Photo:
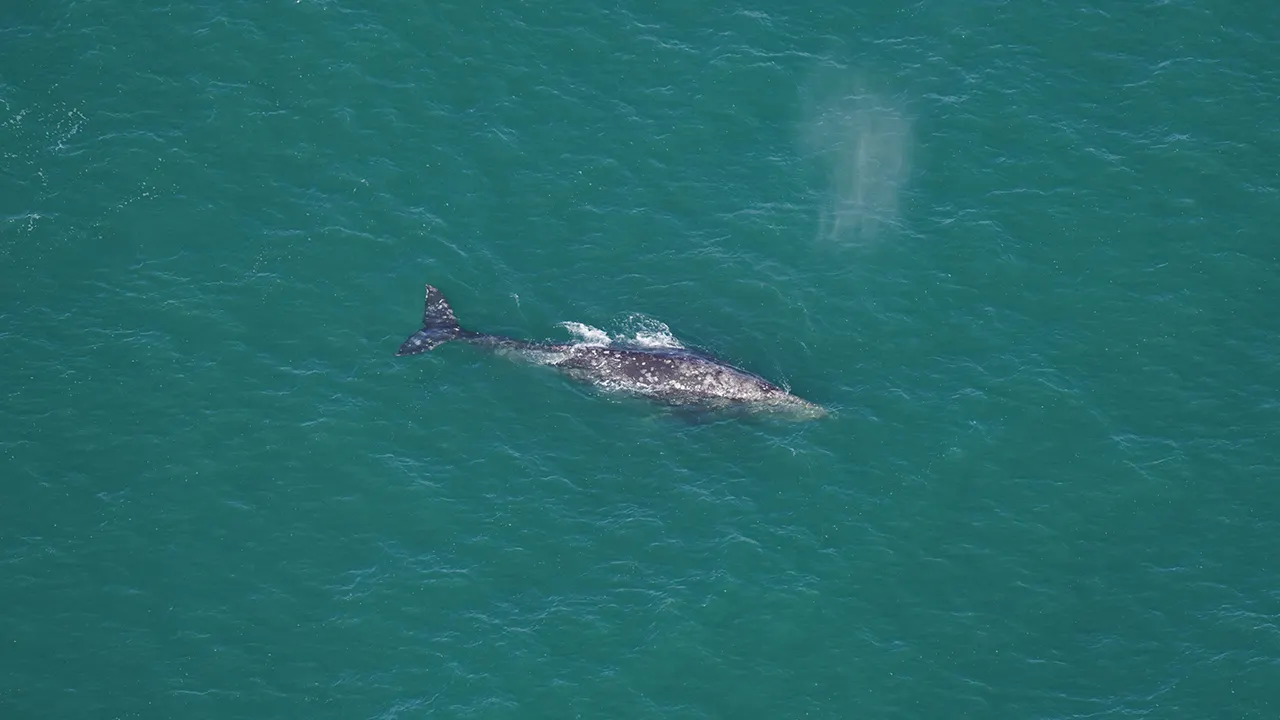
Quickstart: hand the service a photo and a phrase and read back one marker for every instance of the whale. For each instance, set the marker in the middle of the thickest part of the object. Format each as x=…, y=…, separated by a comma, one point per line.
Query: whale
x=672, y=376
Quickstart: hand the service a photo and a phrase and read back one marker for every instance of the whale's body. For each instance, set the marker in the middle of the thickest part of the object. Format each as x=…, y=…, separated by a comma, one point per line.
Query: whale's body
x=674, y=376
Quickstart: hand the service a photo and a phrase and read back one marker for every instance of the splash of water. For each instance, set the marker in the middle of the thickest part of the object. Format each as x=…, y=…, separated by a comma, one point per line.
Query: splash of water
x=587, y=335
x=638, y=331
x=644, y=331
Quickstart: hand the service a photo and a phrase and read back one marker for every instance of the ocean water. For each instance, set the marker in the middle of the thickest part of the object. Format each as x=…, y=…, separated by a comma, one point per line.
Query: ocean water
x=1027, y=252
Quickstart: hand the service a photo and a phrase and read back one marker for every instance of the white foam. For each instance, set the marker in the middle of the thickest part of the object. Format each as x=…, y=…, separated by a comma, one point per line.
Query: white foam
x=647, y=332
x=586, y=334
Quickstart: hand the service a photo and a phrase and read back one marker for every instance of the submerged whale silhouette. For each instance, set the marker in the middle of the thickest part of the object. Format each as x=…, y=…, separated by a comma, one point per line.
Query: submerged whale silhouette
x=674, y=376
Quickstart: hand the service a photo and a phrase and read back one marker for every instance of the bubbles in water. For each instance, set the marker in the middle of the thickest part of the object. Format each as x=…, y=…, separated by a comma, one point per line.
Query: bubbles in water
x=862, y=140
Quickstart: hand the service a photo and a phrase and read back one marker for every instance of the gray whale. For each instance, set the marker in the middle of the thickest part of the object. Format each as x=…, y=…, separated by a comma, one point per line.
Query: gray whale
x=673, y=376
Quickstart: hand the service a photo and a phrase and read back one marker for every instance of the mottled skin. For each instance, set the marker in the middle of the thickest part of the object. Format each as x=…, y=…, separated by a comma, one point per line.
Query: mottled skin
x=670, y=375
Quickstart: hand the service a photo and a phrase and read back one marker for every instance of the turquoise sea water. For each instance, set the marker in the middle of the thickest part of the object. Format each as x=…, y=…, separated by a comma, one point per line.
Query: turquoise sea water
x=1026, y=251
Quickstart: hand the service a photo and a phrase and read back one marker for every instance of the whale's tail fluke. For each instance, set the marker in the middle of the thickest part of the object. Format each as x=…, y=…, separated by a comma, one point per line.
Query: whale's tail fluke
x=439, y=326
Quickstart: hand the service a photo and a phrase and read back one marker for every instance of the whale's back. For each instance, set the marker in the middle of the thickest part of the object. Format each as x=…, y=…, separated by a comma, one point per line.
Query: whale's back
x=676, y=376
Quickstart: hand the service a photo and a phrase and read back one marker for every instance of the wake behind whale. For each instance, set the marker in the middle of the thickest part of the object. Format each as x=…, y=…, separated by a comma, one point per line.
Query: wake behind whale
x=673, y=376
